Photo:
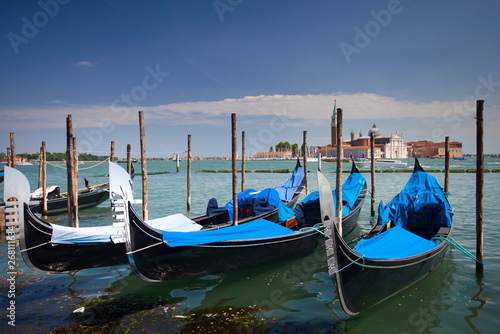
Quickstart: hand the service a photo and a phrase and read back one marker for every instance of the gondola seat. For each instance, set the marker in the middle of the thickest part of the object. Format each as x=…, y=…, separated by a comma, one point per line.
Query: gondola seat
x=394, y=243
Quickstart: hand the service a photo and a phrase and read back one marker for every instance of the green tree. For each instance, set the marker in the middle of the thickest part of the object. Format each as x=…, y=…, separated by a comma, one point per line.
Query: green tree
x=283, y=146
x=295, y=149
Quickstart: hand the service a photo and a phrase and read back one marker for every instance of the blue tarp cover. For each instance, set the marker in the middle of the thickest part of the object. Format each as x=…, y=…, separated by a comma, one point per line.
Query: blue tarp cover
x=269, y=195
x=421, y=190
x=395, y=243
x=252, y=230
x=350, y=192
x=351, y=189
x=288, y=187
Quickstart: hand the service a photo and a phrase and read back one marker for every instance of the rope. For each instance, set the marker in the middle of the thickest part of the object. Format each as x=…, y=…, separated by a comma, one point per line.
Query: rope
x=28, y=249
x=141, y=249
x=100, y=163
x=359, y=258
x=314, y=228
x=54, y=165
x=356, y=239
x=368, y=194
x=455, y=243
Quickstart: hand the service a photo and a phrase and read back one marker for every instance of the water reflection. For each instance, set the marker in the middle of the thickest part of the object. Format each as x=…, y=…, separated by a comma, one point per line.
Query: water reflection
x=421, y=305
x=475, y=310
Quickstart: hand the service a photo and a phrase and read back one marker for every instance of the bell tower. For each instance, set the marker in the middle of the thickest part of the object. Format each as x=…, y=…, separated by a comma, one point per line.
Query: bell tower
x=334, y=125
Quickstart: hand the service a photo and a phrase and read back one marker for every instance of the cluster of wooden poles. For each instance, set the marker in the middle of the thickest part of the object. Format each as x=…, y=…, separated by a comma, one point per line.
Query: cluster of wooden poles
x=72, y=170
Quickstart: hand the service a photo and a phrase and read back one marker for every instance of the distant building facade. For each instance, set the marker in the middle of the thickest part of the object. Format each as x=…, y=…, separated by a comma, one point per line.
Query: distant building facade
x=272, y=155
x=423, y=149
x=386, y=147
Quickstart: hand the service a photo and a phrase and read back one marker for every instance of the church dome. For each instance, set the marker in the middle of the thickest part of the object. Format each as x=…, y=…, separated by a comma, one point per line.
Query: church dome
x=376, y=132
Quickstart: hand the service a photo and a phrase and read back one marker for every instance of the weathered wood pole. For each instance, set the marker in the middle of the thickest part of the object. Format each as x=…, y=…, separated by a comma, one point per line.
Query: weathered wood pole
x=340, y=158
x=12, y=151
x=372, y=172
x=75, y=184
x=177, y=160
x=189, y=175
x=479, y=185
x=319, y=162
x=305, y=161
x=40, y=169
x=112, y=157
x=43, y=159
x=235, y=169
x=129, y=159
x=446, y=165
x=8, y=157
x=144, y=169
x=243, y=160
x=69, y=166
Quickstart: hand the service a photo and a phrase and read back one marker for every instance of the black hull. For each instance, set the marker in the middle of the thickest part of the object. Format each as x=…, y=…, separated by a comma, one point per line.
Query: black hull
x=363, y=283
x=85, y=200
x=42, y=256
x=154, y=261
x=48, y=258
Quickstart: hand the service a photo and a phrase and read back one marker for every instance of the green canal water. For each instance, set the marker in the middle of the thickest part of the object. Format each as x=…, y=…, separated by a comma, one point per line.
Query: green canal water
x=295, y=296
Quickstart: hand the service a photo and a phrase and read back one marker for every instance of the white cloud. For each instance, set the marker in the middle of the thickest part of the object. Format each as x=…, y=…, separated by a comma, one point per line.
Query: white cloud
x=86, y=64
x=300, y=110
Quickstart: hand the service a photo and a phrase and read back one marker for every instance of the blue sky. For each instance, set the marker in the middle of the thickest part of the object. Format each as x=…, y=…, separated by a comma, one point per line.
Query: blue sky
x=412, y=66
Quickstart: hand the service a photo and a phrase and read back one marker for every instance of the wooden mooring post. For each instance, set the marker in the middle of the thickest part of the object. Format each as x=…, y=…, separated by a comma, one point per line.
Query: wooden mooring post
x=305, y=162
x=234, y=168
x=446, y=165
x=144, y=169
x=479, y=185
x=40, y=169
x=129, y=159
x=340, y=158
x=189, y=175
x=12, y=151
x=8, y=157
x=112, y=156
x=69, y=166
x=177, y=161
x=372, y=172
x=243, y=162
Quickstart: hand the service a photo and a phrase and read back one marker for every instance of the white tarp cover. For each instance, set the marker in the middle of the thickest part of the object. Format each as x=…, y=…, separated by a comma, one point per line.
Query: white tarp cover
x=177, y=223
x=38, y=194
x=82, y=235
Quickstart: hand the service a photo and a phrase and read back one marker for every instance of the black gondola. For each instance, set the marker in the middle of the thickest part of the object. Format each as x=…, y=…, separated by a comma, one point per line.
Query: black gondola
x=87, y=247
x=156, y=255
x=404, y=246
x=87, y=198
